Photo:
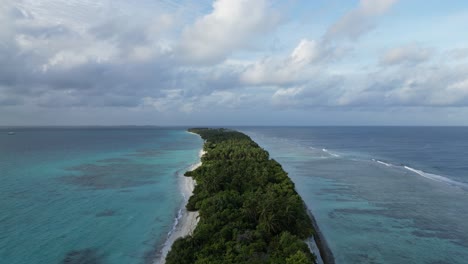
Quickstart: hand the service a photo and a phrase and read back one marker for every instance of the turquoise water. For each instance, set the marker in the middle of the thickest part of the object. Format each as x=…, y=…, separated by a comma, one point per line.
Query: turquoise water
x=90, y=195
x=380, y=195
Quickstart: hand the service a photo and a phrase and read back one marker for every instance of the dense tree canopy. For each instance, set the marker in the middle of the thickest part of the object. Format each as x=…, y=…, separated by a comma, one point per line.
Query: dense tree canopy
x=249, y=209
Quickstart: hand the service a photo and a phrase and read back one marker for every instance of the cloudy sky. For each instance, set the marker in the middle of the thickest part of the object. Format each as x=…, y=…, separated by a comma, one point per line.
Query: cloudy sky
x=233, y=62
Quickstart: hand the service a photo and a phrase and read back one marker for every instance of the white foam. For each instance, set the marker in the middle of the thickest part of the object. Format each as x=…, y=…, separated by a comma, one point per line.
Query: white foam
x=185, y=222
x=436, y=177
x=174, y=226
x=383, y=163
x=330, y=153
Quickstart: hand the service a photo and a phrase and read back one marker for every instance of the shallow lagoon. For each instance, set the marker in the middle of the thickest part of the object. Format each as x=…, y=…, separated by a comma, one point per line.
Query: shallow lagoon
x=90, y=195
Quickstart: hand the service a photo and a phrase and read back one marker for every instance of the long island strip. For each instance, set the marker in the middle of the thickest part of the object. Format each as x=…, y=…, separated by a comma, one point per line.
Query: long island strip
x=249, y=210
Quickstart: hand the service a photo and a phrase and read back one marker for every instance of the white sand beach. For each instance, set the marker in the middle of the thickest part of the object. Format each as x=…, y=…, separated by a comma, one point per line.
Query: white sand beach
x=187, y=221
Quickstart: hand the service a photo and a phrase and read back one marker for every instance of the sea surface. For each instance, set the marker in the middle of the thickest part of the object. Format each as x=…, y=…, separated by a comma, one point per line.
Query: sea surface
x=380, y=194
x=90, y=195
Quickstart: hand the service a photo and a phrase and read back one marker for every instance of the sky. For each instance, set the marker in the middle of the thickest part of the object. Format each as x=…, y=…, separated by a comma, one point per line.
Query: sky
x=233, y=62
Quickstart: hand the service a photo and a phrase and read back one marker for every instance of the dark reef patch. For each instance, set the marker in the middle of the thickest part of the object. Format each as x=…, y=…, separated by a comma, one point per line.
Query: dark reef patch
x=84, y=256
x=360, y=211
x=146, y=153
x=106, y=213
x=111, y=176
x=159, y=197
x=364, y=258
x=425, y=228
x=114, y=160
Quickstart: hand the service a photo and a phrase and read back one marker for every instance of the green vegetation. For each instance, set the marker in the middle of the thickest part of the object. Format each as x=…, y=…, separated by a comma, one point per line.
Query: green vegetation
x=249, y=209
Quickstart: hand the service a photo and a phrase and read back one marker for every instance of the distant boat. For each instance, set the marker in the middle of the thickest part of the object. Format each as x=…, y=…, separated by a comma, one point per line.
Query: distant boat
x=11, y=133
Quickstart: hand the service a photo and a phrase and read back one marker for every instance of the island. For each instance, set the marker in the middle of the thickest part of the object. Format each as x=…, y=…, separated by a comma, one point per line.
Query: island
x=249, y=210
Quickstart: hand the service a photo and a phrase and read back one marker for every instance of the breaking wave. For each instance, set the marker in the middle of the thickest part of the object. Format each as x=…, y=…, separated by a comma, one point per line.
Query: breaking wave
x=436, y=177
x=330, y=153
x=431, y=176
x=383, y=163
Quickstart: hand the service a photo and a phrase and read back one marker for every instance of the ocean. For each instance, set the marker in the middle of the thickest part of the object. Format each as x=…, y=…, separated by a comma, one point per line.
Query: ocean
x=90, y=195
x=111, y=195
x=380, y=194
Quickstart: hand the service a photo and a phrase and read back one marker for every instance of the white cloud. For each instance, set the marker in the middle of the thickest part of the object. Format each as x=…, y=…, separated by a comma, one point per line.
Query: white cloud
x=458, y=54
x=176, y=100
x=454, y=94
x=287, y=97
x=420, y=86
x=294, y=68
x=309, y=58
x=375, y=7
x=231, y=25
x=409, y=54
x=169, y=99
x=68, y=58
x=228, y=99
x=6, y=25
x=306, y=52
x=407, y=93
x=358, y=21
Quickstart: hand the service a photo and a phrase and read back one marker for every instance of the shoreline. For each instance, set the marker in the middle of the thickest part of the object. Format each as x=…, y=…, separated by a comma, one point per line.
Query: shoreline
x=186, y=221
x=326, y=255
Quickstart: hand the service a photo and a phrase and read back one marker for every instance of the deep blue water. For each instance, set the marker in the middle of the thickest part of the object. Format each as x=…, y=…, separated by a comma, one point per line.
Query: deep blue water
x=381, y=194
x=90, y=195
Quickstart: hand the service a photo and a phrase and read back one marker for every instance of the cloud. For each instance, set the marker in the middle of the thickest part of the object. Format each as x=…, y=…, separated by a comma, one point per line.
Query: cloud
x=358, y=21
x=456, y=94
x=109, y=61
x=319, y=92
x=458, y=54
x=310, y=57
x=232, y=24
x=100, y=59
x=287, y=97
x=420, y=86
x=409, y=55
x=292, y=69
x=51, y=60
x=130, y=59
x=177, y=100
